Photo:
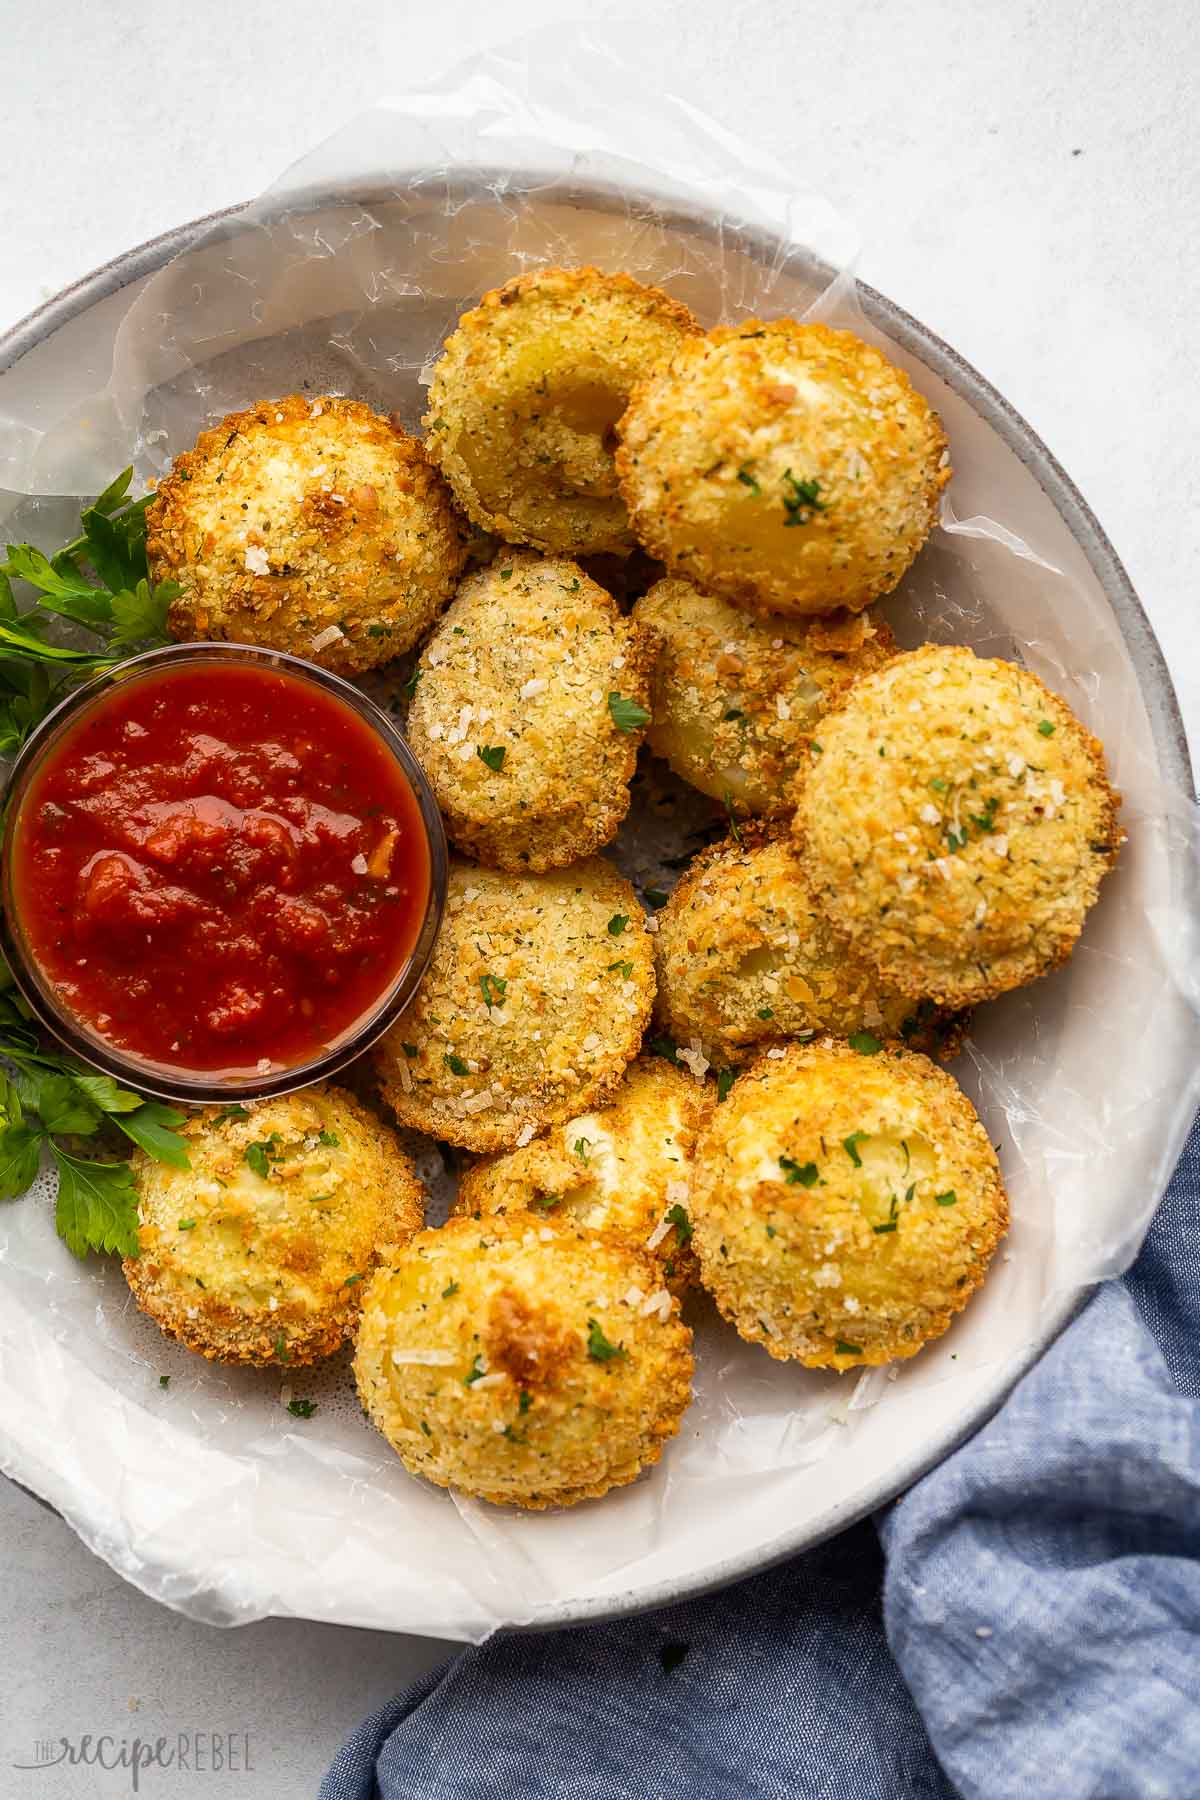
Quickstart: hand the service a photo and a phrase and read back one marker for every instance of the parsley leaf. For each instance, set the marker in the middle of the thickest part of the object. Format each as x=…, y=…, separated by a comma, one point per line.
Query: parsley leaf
x=949, y=1198
x=842, y=1348
x=1045, y=727
x=493, y=990
x=20, y=1153
x=583, y=1150
x=725, y=1080
x=598, y=1346
x=799, y=1174
x=455, y=1064
x=447, y=1292
x=97, y=1205
x=627, y=715
x=865, y=1043
x=302, y=1409
x=152, y=1126
x=617, y=924
x=850, y=1146
x=747, y=480
x=680, y=1219
x=475, y=1374
x=802, y=501
x=492, y=755
x=655, y=897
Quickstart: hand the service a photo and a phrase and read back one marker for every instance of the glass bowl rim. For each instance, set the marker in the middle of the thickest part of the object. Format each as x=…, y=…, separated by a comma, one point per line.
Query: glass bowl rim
x=155, y=1079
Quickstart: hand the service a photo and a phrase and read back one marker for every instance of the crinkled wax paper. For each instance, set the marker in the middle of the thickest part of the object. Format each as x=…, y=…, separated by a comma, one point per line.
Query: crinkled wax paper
x=347, y=277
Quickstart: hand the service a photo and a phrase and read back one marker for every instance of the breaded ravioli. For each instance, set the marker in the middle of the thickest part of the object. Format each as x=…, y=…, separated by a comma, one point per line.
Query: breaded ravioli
x=623, y=1169
x=529, y=708
x=746, y=958
x=525, y=397
x=791, y=468
x=259, y=1252
x=533, y=1005
x=955, y=823
x=312, y=526
x=734, y=698
x=845, y=1205
x=522, y=1361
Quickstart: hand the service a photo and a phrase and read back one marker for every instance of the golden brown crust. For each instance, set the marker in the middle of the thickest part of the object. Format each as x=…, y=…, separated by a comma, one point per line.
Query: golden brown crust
x=791, y=468
x=569, y=1001
x=846, y=1206
x=955, y=824
x=523, y=1362
x=521, y=669
x=268, y=1270
x=745, y=959
x=525, y=397
x=623, y=1169
x=736, y=698
x=305, y=522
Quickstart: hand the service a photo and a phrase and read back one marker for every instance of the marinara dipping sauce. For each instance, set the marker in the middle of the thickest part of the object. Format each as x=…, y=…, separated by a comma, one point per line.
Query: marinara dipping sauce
x=220, y=866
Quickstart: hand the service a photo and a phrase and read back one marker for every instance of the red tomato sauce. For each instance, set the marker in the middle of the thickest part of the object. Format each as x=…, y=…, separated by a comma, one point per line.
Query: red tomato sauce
x=220, y=868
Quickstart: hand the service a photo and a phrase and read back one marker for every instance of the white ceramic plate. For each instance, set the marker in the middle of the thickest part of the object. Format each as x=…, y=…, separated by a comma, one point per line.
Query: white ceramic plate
x=209, y=1496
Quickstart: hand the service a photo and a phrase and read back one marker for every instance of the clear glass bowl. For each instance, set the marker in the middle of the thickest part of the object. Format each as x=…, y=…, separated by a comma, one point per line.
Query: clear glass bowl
x=162, y=1080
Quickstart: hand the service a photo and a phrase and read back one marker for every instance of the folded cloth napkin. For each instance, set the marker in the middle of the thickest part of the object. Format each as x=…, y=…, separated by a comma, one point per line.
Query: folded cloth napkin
x=1024, y=1624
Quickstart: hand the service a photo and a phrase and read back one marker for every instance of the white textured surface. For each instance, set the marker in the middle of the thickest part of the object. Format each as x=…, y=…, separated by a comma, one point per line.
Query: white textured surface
x=949, y=132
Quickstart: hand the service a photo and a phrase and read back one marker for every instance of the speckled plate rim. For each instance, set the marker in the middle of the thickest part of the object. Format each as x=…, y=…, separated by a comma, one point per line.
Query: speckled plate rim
x=1150, y=667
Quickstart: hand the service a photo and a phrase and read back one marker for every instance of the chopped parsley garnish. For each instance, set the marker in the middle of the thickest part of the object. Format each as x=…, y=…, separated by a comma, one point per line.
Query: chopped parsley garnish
x=329, y=1139
x=476, y=1373
x=627, y=715
x=771, y=1231
x=798, y=1174
x=598, y=1346
x=725, y=1080
x=544, y=1202
x=514, y=1437
x=678, y=1217
x=766, y=1012
x=865, y=1043
x=350, y=1280
x=949, y=1198
x=261, y=1155
x=626, y=969
x=282, y=1353
x=735, y=829
x=1046, y=727
x=938, y=785
x=956, y=840
x=582, y=1150
x=671, y=1655
x=655, y=897
x=425, y=1429
x=842, y=1348
x=617, y=924
x=302, y=1409
x=747, y=480
x=492, y=755
x=231, y=1112
x=447, y=1292
x=891, y=1221
x=525, y=1401
x=803, y=500
x=850, y=1146
x=664, y=1046
x=986, y=820
x=410, y=686
x=410, y=1050
x=455, y=1064
x=164, y=1381
x=816, y=748
x=187, y=1225
x=505, y=574
x=493, y=990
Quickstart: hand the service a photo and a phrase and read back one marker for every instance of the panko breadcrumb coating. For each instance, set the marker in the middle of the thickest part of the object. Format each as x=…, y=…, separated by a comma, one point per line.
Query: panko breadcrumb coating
x=735, y=698
x=955, y=823
x=623, y=1169
x=527, y=713
x=527, y=393
x=791, y=468
x=745, y=958
x=522, y=1361
x=845, y=1205
x=533, y=1005
x=312, y=526
x=260, y=1251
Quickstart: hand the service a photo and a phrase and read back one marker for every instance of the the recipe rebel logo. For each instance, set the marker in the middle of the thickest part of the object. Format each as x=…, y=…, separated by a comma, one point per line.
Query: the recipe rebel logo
x=182, y=1752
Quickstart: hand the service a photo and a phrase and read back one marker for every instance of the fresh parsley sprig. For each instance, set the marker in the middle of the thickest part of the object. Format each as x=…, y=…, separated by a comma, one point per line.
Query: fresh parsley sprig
x=48, y=1097
x=101, y=581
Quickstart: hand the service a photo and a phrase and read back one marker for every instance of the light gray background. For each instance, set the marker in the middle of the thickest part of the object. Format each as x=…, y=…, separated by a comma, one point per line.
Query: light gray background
x=1026, y=181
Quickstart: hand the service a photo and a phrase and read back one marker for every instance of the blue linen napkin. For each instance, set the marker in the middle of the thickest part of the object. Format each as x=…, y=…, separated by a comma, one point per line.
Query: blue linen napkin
x=1023, y=1624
